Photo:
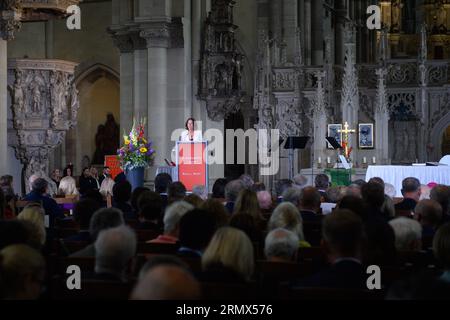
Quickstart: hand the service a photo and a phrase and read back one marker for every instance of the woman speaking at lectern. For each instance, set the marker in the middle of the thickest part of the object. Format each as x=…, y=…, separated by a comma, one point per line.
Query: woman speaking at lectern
x=190, y=134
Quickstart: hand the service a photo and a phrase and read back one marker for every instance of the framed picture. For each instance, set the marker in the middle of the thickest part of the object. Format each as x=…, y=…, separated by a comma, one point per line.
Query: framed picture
x=365, y=136
x=333, y=131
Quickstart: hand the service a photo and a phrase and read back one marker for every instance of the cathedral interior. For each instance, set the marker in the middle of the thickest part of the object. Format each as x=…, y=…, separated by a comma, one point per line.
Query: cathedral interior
x=298, y=66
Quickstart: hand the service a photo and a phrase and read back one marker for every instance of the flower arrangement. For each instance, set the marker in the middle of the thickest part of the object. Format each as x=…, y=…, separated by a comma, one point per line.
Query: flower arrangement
x=347, y=150
x=137, y=151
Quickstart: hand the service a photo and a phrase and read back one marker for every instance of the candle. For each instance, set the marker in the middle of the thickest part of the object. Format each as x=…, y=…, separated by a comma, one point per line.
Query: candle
x=374, y=160
x=319, y=160
x=328, y=160
x=364, y=160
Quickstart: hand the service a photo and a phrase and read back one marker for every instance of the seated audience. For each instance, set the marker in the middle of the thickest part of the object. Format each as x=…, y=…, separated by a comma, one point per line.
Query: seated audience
x=343, y=236
x=22, y=273
x=150, y=207
x=300, y=181
x=218, y=190
x=429, y=214
x=232, y=190
x=194, y=199
x=35, y=214
x=411, y=195
x=374, y=197
x=322, y=183
x=106, y=173
x=121, y=200
x=310, y=204
x=39, y=194
x=441, y=194
x=102, y=219
x=87, y=181
x=248, y=225
x=228, y=258
x=247, y=203
x=114, y=250
x=68, y=185
x=424, y=192
x=287, y=216
x=217, y=210
x=281, y=245
x=441, y=249
x=162, y=182
x=135, y=196
x=380, y=244
x=177, y=192
x=265, y=202
x=19, y=232
x=247, y=180
x=389, y=190
x=82, y=214
x=167, y=282
x=258, y=186
x=200, y=191
x=408, y=234
x=172, y=217
x=56, y=176
x=280, y=187
x=292, y=195
x=196, y=230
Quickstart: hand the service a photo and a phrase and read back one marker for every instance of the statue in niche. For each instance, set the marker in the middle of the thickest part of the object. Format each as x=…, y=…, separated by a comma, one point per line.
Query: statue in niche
x=107, y=140
x=74, y=103
x=221, y=84
x=18, y=95
x=99, y=155
x=35, y=98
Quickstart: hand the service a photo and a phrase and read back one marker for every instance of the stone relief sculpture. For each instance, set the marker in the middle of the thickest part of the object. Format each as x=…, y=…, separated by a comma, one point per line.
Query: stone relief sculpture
x=39, y=104
x=220, y=83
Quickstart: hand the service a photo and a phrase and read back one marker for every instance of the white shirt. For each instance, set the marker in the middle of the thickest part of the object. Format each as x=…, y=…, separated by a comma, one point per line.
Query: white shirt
x=197, y=136
x=68, y=187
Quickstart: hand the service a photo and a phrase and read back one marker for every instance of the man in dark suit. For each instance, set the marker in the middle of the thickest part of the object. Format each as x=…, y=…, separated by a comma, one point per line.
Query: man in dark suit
x=39, y=194
x=196, y=230
x=322, y=183
x=343, y=234
x=106, y=174
x=411, y=195
x=310, y=204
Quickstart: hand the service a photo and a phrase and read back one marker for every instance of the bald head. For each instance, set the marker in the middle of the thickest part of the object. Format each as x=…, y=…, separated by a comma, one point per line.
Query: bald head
x=167, y=282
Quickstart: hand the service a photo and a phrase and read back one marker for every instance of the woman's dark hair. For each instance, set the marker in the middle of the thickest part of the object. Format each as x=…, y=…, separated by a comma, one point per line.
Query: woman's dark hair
x=65, y=171
x=187, y=121
x=218, y=190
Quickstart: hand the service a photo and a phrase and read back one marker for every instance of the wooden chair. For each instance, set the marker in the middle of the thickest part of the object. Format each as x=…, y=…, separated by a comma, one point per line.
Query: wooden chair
x=310, y=254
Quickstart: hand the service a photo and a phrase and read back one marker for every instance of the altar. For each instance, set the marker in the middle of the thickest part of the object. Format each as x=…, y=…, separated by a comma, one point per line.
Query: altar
x=395, y=175
x=311, y=173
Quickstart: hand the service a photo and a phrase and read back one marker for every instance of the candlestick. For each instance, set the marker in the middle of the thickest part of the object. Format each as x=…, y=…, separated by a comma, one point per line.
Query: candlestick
x=328, y=160
x=364, y=160
x=319, y=160
x=374, y=160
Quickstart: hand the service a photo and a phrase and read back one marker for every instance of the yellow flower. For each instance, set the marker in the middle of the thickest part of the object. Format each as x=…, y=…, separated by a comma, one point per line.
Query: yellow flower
x=143, y=140
x=127, y=141
x=143, y=150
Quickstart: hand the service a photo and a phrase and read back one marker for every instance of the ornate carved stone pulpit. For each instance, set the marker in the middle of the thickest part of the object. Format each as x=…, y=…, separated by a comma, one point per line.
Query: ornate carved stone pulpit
x=43, y=107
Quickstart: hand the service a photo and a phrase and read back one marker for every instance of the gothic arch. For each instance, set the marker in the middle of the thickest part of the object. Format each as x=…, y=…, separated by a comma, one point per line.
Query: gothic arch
x=96, y=71
x=436, y=136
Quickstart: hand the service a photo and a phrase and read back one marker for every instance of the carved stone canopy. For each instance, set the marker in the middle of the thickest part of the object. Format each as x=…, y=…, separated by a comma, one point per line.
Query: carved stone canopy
x=41, y=10
x=44, y=106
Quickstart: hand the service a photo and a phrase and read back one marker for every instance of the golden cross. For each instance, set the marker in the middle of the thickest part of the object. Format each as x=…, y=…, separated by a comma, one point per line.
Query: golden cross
x=346, y=132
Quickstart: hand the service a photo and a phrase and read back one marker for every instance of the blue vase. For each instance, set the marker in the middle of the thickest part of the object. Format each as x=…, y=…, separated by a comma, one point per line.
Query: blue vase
x=136, y=177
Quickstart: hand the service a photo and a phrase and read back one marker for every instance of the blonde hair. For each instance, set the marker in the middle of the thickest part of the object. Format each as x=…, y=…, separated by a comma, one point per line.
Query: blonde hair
x=233, y=249
x=287, y=216
x=35, y=214
x=247, y=203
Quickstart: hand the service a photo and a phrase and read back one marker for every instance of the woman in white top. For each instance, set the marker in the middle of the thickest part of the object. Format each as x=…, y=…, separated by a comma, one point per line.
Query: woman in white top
x=67, y=185
x=190, y=134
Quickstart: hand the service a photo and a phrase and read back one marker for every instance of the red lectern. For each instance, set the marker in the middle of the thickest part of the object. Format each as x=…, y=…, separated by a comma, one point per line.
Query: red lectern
x=192, y=164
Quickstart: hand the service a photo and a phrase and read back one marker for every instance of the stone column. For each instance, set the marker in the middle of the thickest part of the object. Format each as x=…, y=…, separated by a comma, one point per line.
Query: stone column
x=9, y=23
x=320, y=119
x=140, y=78
x=158, y=38
x=382, y=119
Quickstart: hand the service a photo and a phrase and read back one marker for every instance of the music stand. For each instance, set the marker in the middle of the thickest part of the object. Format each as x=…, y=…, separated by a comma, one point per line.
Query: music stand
x=294, y=143
x=333, y=142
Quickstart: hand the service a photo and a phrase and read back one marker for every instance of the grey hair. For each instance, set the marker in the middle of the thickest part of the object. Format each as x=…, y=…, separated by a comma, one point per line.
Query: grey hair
x=292, y=195
x=406, y=231
x=114, y=248
x=200, y=191
x=300, y=181
x=232, y=189
x=281, y=243
x=389, y=190
x=334, y=194
x=104, y=219
x=174, y=213
x=287, y=216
